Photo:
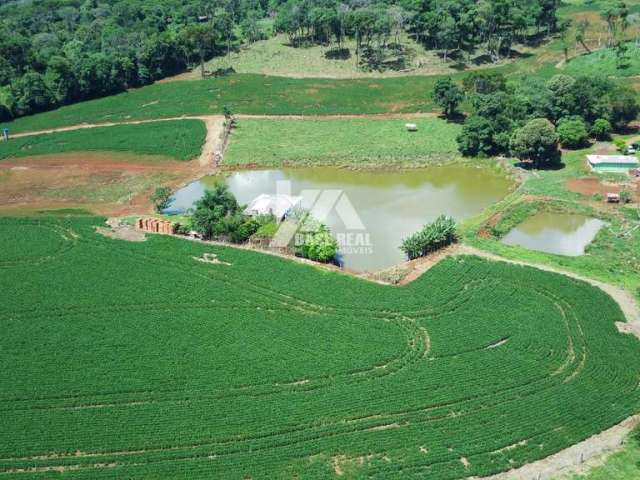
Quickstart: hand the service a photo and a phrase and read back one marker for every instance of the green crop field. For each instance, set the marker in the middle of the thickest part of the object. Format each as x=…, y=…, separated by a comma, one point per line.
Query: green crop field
x=244, y=93
x=180, y=140
x=349, y=141
x=135, y=360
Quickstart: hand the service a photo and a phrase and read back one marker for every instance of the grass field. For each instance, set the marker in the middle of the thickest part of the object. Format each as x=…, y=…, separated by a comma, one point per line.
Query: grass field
x=244, y=93
x=353, y=142
x=275, y=56
x=603, y=62
x=180, y=140
x=135, y=360
x=622, y=465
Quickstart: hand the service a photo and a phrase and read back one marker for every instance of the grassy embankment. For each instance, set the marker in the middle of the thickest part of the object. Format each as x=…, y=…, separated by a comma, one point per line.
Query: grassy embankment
x=337, y=374
x=351, y=142
x=604, y=62
x=275, y=55
x=613, y=257
x=622, y=465
x=179, y=140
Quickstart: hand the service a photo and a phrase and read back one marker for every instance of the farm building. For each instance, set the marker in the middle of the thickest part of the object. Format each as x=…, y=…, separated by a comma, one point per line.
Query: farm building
x=612, y=163
x=276, y=205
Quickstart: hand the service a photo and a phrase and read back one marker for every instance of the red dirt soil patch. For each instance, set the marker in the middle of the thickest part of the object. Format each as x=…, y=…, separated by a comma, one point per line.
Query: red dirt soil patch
x=94, y=181
x=485, y=231
x=592, y=186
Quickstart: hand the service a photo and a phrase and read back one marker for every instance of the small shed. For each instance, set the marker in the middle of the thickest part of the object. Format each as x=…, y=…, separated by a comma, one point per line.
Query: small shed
x=412, y=127
x=613, y=163
x=276, y=205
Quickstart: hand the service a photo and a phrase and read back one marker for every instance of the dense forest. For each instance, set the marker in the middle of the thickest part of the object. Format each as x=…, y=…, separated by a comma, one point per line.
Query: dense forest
x=56, y=52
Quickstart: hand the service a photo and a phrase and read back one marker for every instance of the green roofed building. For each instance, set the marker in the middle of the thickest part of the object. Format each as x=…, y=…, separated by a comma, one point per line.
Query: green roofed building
x=613, y=163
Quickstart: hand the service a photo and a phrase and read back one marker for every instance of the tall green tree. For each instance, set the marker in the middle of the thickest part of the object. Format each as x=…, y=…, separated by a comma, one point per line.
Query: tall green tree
x=448, y=96
x=199, y=38
x=536, y=142
x=624, y=106
x=214, y=213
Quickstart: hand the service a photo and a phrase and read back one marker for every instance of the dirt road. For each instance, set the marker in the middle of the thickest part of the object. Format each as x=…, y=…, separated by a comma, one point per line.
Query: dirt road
x=209, y=119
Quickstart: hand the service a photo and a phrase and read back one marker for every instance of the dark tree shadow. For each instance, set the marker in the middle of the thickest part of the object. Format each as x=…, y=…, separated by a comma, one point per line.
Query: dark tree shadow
x=393, y=57
x=551, y=167
x=631, y=129
x=459, y=66
x=338, y=54
x=535, y=39
x=306, y=41
x=457, y=118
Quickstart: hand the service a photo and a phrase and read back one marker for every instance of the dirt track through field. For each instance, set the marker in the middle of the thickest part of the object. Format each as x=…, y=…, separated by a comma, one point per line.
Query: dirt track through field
x=211, y=149
x=216, y=120
x=208, y=119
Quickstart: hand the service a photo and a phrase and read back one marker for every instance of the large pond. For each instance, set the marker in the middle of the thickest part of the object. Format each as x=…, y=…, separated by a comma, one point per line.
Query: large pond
x=388, y=205
x=560, y=233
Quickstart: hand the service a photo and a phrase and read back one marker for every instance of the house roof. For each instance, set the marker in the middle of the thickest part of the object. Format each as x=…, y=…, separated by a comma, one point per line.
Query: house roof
x=277, y=205
x=609, y=159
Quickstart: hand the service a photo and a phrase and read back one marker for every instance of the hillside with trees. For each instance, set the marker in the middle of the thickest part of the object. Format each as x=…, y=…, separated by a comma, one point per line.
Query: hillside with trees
x=57, y=52
x=454, y=27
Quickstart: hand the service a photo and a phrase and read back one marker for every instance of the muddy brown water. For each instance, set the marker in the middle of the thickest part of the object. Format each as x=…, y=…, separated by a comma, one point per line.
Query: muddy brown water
x=559, y=233
x=369, y=212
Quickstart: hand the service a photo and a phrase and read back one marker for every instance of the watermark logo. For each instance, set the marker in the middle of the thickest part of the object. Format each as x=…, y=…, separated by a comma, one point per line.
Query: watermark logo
x=313, y=207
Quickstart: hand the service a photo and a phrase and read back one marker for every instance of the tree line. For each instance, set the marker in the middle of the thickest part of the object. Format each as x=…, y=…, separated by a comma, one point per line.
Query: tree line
x=528, y=118
x=57, y=52
x=451, y=26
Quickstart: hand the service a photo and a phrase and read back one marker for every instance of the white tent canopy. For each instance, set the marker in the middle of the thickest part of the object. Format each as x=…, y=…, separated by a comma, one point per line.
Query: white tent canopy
x=277, y=205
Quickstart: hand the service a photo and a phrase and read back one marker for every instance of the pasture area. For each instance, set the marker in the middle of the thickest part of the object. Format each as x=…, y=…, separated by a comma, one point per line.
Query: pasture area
x=276, y=56
x=179, y=140
x=244, y=93
x=135, y=360
x=603, y=62
x=354, y=142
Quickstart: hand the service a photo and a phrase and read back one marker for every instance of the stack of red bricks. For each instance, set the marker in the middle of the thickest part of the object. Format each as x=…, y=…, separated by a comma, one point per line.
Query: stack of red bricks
x=154, y=225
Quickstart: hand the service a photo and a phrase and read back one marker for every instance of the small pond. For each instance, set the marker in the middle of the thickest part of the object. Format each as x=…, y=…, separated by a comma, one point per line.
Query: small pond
x=390, y=204
x=559, y=233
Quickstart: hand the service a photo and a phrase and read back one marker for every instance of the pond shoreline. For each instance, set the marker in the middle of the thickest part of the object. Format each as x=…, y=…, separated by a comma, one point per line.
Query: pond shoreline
x=369, y=212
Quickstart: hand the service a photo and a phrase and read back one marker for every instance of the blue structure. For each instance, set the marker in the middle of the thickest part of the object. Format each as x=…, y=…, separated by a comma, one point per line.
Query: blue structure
x=5, y=134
